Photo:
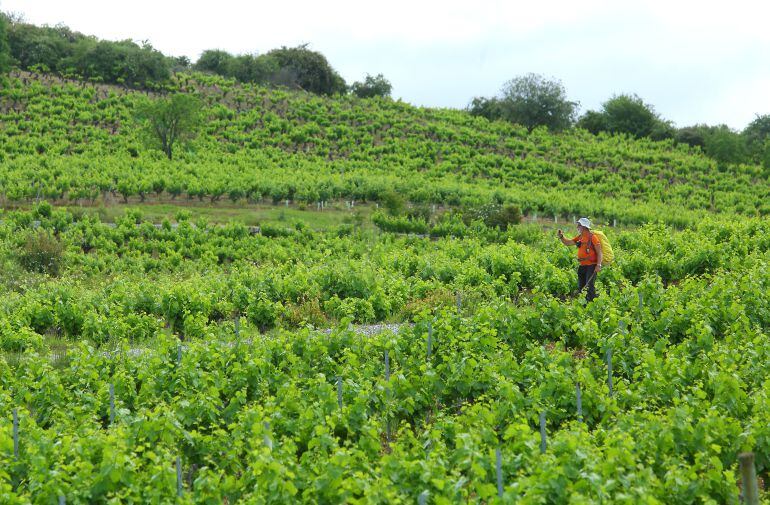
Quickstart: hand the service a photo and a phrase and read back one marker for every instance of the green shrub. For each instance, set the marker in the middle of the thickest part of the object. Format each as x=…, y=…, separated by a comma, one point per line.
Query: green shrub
x=401, y=224
x=42, y=252
x=393, y=202
x=494, y=215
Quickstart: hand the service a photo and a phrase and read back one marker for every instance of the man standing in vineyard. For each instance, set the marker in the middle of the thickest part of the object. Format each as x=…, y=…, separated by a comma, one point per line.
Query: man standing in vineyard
x=589, y=255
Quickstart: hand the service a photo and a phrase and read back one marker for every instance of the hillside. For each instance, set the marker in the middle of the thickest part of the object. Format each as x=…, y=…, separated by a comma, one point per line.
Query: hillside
x=69, y=141
x=150, y=354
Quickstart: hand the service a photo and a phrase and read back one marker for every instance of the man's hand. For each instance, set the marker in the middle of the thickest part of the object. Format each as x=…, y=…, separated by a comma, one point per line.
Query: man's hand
x=598, y=268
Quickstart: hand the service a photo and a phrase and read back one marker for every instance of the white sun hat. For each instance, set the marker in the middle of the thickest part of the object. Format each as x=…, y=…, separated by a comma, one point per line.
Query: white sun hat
x=584, y=221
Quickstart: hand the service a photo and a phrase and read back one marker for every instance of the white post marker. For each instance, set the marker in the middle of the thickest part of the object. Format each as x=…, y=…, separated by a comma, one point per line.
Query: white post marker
x=387, y=394
x=579, y=402
x=112, y=403
x=266, y=439
x=499, y=466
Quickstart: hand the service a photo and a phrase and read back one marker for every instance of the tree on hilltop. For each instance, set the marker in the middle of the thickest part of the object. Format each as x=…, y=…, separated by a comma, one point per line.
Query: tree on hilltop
x=215, y=61
x=306, y=69
x=372, y=86
x=530, y=100
x=5, y=51
x=627, y=114
x=757, y=136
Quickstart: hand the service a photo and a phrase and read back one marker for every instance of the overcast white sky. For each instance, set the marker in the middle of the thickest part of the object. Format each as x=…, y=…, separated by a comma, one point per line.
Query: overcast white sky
x=694, y=61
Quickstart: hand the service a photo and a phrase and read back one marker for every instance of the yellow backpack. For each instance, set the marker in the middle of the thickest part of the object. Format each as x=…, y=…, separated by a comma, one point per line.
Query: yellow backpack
x=607, y=255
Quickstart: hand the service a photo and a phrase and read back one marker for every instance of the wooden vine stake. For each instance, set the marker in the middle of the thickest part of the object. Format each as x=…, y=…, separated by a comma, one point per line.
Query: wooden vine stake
x=499, y=467
x=387, y=394
x=178, y=476
x=749, y=478
x=16, y=434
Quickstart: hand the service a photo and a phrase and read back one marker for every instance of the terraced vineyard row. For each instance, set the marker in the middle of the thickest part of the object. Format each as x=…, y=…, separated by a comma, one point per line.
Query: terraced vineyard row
x=300, y=415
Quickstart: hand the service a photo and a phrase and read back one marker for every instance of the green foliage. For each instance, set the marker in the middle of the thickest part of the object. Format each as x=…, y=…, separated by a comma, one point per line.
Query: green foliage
x=501, y=216
x=489, y=108
x=373, y=86
x=119, y=62
x=594, y=122
x=627, y=114
x=294, y=68
x=694, y=136
x=249, y=68
x=757, y=137
x=261, y=145
x=393, y=202
x=41, y=252
x=215, y=61
x=5, y=51
x=256, y=418
x=42, y=46
x=400, y=224
x=61, y=50
x=530, y=100
x=299, y=67
x=724, y=145
x=169, y=122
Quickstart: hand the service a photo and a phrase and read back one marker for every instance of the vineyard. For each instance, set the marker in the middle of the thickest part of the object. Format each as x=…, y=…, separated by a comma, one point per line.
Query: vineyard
x=187, y=360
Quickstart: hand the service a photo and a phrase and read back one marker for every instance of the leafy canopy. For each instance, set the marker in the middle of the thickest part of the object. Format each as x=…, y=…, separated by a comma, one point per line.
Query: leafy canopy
x=627, y=114
x=167, y=122
x=531, y=101
x=5, y=54
x=372, y=86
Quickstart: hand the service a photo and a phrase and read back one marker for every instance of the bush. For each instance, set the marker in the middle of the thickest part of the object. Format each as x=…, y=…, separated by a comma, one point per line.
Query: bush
x=494, y=215
x=372, y=87
x=263, y=312
x=531, y=101
x=627, y=114
x=299, y=67
x=393, y=202
x=399, y=224
x=504, y=217
x=42, y=252
x=17, y=338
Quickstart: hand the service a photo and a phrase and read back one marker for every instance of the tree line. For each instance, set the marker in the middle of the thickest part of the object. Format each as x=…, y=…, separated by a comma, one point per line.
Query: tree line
x=534, y=101
x=60, y=50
